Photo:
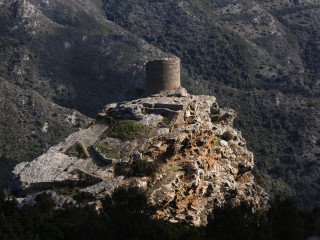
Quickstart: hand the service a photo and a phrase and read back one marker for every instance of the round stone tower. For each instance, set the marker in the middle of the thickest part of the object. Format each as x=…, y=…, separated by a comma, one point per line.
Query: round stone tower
x=163, y=74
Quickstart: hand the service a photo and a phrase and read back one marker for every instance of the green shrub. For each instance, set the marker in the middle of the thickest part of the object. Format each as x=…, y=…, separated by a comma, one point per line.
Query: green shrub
x=78, y=150
x=138, y=168
x=109, y=153
x=127, y=129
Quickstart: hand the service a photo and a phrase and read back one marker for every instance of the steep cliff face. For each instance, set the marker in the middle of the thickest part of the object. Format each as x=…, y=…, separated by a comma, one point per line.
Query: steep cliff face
x=181, y=149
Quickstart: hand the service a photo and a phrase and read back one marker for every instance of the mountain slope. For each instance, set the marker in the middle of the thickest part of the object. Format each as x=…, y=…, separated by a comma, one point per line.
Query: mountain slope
x=68, y=51
x=29, y=125
x=63, y=53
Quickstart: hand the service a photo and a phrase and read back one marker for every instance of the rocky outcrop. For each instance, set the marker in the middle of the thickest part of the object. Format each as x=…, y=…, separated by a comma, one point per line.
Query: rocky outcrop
x=59, y=201
x=181, y=149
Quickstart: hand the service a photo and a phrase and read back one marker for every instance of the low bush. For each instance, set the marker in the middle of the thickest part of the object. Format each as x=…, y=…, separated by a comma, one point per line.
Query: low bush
x=78, y=150
x=138, y=168
x=108, y=152
x=127, y=129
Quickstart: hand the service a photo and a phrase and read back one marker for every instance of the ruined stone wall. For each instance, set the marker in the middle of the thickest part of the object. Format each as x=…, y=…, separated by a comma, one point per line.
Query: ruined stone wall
x=163, y=74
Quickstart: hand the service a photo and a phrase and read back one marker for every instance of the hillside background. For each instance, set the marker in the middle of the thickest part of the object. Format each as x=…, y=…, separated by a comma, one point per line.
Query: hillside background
x=62, y=61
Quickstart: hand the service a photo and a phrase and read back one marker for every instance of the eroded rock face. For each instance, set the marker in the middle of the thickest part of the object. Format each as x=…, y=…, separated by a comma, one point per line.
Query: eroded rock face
x=181, y=149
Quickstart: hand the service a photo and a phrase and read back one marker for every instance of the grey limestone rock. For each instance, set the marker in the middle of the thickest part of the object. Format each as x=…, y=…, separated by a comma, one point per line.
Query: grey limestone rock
x=60, y=201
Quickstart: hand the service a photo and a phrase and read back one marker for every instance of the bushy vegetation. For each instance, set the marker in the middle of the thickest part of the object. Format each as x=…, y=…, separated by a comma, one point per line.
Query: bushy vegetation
x=284, y=220
x=138, y=168
x=127, y=129
x=126, y=216
x=78, y=150
x=108, y=152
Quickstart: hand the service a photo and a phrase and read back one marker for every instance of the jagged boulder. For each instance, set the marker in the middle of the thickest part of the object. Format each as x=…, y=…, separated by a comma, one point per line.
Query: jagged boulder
x=181, y=149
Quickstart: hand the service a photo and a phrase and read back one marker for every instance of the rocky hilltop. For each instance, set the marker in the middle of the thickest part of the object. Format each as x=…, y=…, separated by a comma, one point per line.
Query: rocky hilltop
x=181, y=149
x=258, y=57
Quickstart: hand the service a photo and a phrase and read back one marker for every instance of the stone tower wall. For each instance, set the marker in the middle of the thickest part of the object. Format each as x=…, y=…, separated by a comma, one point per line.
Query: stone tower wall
x=163, y=74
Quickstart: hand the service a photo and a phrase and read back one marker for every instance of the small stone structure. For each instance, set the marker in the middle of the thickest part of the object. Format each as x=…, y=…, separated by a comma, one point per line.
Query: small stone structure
x=163, y=74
